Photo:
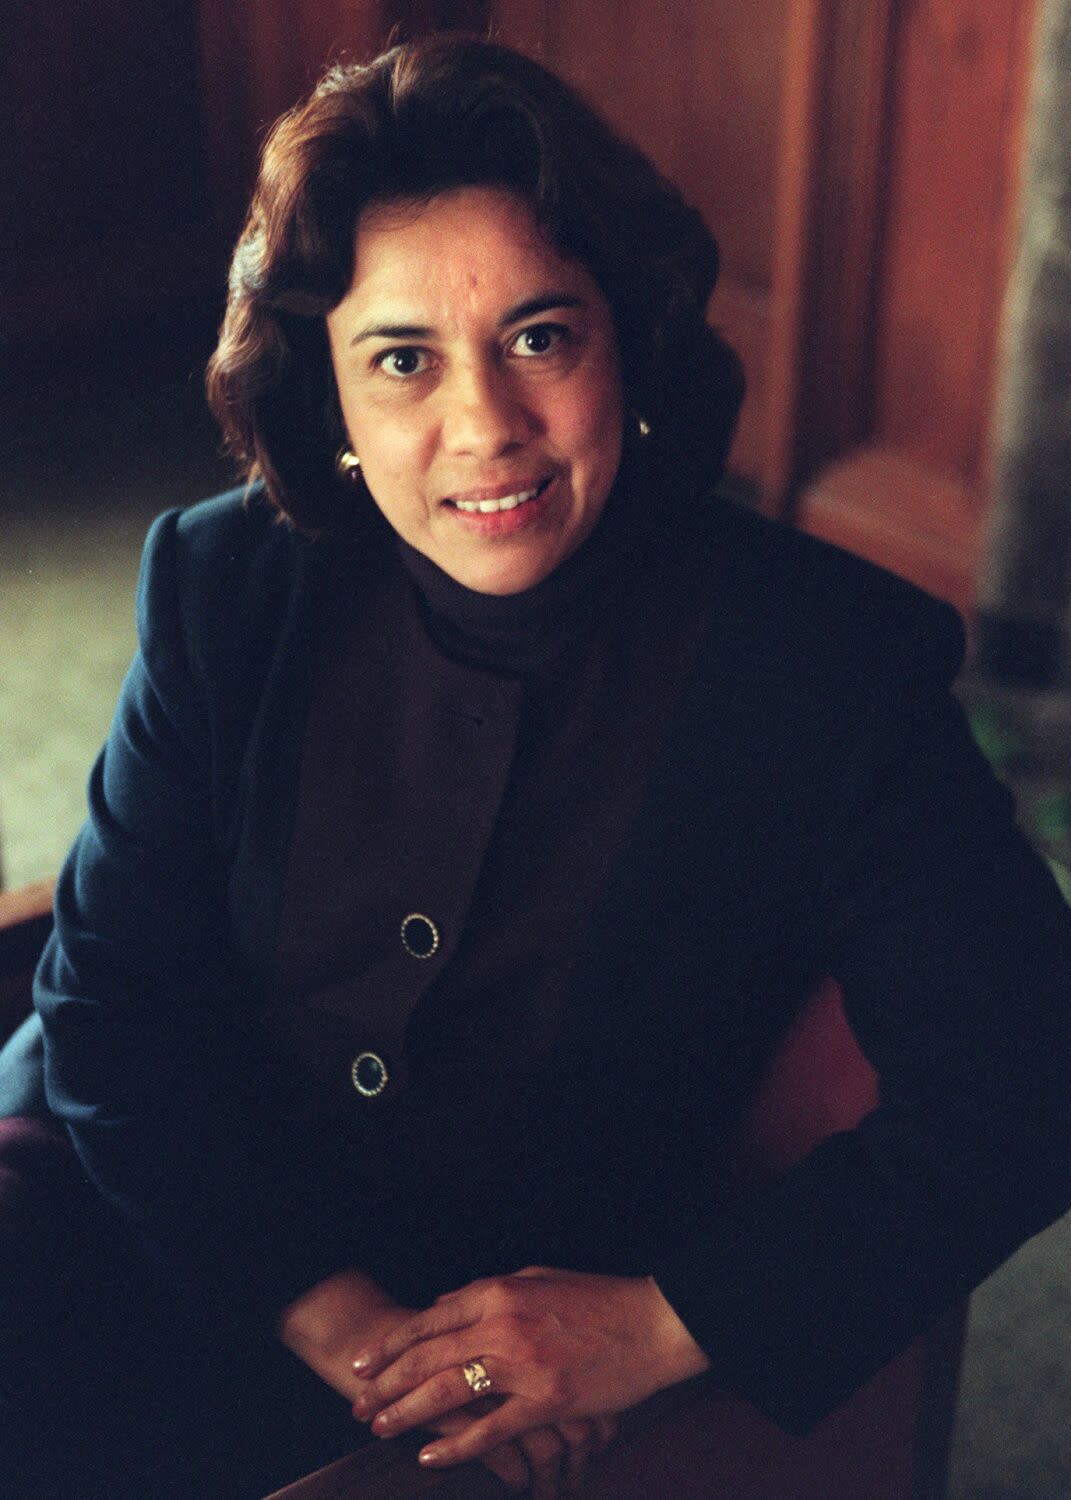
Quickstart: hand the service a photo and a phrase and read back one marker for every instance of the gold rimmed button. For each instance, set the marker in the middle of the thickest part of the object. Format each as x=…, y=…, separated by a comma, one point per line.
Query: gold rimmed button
x=369, y=1073
x=420, y=936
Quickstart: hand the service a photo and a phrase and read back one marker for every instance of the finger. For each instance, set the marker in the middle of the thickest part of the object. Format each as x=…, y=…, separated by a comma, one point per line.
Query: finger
x=579, y=1439
x=415, y=1368
x=606, y=1429
x=503, y=1425
x=445, y=1392
x=543, y=1447
x=507, y=1463
x=459, y=1310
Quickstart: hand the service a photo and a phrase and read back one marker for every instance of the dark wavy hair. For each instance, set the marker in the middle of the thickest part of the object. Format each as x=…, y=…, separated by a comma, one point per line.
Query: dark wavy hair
x=440, y=113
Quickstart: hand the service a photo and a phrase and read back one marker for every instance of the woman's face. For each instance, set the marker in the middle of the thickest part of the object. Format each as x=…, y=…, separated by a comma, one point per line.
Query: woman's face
x=478, y=376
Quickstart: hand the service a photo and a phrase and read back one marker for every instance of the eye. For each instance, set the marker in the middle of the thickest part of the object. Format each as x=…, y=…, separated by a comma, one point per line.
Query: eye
x=404, y=362
x=539, y=338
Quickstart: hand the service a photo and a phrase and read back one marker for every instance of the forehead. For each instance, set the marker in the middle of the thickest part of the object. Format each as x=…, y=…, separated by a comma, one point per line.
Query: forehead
x=462, y=249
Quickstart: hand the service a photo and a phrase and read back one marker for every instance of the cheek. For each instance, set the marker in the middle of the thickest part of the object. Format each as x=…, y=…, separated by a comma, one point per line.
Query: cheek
x=387, y=446
x=600, y=435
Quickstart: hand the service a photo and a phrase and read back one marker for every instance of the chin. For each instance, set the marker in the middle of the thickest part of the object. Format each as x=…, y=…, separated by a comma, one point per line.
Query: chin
x=498, y=575
x=501, y=581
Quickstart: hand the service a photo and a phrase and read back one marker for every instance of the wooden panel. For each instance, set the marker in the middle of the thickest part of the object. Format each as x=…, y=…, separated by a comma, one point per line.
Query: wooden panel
x=120, y=280
x=961, y=75
x=699, y=96
x=259, y=57
x=102, y=163
x=742, y=315
x=833, y=146
x=908, y=485
x=99, y=120
x=410, y=18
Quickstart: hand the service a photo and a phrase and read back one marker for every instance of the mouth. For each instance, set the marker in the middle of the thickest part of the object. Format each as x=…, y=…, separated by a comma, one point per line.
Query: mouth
x=492, y=505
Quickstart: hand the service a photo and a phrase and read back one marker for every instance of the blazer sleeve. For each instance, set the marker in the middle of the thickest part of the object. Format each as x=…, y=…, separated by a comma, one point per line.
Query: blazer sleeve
x=953, y=948
x=167, y=1109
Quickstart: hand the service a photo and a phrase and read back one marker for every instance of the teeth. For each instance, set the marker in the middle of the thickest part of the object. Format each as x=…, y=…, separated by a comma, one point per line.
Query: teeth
x=488, y=507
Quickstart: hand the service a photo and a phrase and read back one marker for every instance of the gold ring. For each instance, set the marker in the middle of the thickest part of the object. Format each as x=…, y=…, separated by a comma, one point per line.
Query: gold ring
x=475, y=1373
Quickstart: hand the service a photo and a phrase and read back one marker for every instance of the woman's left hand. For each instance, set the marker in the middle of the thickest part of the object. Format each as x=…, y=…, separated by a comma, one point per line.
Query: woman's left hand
x=557, y=1346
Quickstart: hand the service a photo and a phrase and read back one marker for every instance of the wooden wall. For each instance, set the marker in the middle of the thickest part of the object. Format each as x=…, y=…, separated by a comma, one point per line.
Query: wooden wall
x=859, y=164
x=259, y=57
x=131, y=133
x=955, y=130
x=903, y=474
x=102, y=201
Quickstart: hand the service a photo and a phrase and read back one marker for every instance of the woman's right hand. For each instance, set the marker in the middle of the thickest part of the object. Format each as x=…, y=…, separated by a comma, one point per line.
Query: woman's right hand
x=329, y=1324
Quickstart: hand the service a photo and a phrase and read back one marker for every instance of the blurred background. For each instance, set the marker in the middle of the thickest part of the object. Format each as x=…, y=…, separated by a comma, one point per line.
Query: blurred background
x=890, y=182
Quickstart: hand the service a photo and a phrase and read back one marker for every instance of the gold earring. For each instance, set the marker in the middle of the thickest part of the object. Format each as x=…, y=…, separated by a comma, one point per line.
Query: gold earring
x=347, y=464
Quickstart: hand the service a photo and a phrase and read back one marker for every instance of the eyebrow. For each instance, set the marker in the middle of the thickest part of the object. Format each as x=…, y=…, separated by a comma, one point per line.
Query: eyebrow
x=530, y=308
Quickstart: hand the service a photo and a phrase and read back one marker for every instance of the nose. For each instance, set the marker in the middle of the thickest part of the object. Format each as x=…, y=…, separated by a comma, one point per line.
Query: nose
x=483, y=415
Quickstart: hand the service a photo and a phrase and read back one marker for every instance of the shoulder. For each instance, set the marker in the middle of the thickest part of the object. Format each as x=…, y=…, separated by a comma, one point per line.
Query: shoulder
x=226, y=607
x=232, y=542
x=808, y=661
x=219, y=577
x=787, y=608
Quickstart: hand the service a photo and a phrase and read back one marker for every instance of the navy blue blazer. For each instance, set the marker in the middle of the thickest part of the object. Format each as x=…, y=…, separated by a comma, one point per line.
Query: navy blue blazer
x=817, y=807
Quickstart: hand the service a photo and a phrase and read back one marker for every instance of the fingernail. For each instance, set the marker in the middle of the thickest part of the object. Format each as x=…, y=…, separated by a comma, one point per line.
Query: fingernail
x=429, y=1455
x=382, y=1422
x=361, y=1363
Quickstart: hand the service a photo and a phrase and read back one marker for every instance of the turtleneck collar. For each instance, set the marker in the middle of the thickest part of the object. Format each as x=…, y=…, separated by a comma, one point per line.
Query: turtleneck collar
x=518, y=633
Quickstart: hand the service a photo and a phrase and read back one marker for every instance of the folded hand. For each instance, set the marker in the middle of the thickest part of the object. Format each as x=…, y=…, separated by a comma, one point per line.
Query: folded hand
x=558, y=1347
x=330, y=1323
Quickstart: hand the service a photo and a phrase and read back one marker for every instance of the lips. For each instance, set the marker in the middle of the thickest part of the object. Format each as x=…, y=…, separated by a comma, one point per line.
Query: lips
x=484, y=502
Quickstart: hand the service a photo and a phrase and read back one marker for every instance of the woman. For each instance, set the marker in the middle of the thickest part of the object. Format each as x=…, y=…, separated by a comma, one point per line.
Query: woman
x=464, y=843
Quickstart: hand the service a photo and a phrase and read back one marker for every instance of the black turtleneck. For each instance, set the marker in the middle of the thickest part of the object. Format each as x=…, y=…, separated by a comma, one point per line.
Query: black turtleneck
x=477, y=760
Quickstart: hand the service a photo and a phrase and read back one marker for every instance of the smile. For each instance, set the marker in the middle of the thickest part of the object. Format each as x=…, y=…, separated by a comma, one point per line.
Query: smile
x=504, y=502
